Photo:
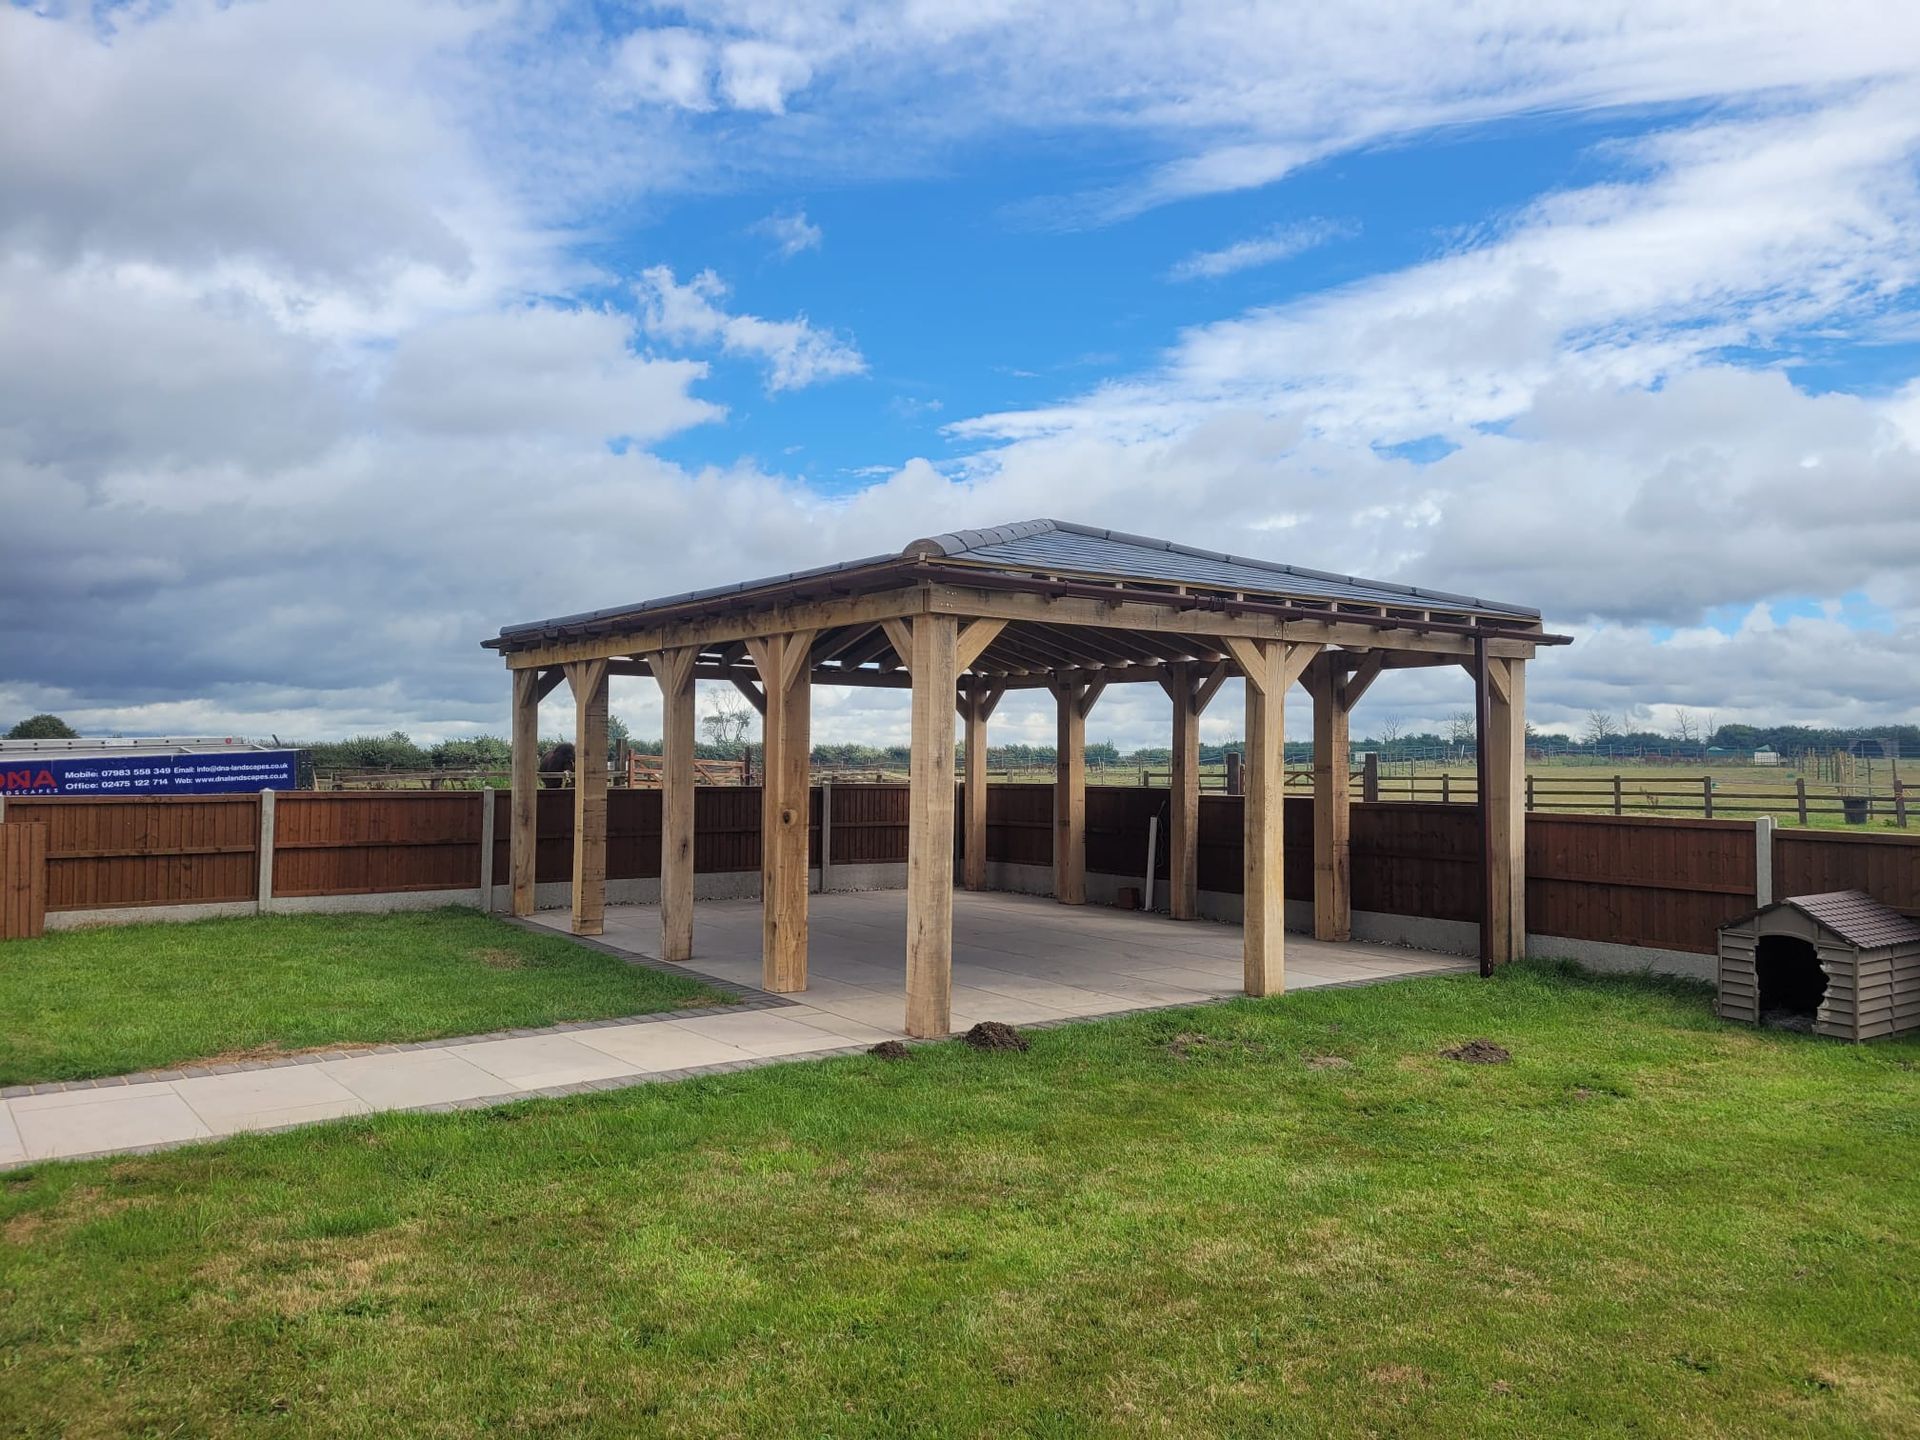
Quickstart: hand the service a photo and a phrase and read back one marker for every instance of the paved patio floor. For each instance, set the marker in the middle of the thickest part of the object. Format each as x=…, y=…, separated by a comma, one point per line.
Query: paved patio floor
x=1016, y=958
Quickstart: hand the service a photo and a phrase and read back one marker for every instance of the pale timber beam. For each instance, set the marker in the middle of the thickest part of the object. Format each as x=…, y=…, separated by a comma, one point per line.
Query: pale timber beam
x=588, y=681
x=1504, y=776
x=1190, y=687
x=674, y=670
x=1332, y=813
x=784, y=807
x=1073, y=698
x=1362, y=676
x=974, y=640
x=1263, y=920
x=978, y=697
x=934, y=663
x=1073, y=610
x=900, y=636
x=523, y=834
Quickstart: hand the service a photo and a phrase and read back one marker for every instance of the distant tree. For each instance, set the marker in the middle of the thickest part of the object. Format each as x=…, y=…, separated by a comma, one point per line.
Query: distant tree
x=1686, y=729
x=1103, y=752
x=1599, y=728
x=1460, y=729
x=43, y=727
x=726, y=723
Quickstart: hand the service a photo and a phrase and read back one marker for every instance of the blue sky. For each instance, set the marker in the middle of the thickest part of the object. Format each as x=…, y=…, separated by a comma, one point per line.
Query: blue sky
x=337, y=338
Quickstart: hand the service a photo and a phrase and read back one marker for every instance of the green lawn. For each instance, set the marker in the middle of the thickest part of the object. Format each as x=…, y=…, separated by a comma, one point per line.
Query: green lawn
x=119, y=998
x=1192, y=1222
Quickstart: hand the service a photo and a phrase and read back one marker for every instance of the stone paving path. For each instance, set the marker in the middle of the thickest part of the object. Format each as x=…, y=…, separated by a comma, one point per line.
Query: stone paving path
x=1017, y=959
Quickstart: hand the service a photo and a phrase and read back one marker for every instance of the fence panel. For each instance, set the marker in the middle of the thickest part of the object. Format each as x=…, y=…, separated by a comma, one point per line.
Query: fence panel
x=107, y=853
x=1669, y=884
x=1411, y=858
x=366, y=842
x=23, y=881
x=1887, y=867
x=1020, y=824
x=869, y=824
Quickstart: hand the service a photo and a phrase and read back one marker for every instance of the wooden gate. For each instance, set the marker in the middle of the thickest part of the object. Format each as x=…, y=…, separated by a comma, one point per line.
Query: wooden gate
x=23, y=881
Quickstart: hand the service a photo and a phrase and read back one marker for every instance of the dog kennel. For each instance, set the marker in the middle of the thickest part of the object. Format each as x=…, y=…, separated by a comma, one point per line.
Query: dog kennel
x=1840, y=964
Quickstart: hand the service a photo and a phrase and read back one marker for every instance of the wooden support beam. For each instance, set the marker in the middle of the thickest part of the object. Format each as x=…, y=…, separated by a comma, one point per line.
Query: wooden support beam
x=1496, y=677
x=784, y=805
x=900, y=636
x=1332, y=815
x=1362, y=676
x=932, y=658
x=975, y=639
x=588, y=681
x=523, y=832
x=1183, y=800
x=674, y=670
x=549, y=682
x=1263, y=917
x=1503, y=776
x=1073, y=698
x=978, y=696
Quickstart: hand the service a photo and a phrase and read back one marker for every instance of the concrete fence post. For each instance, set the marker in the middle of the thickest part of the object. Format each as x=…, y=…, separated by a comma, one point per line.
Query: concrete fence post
x=1763, y=860
x=485, y=878
x=263, y=901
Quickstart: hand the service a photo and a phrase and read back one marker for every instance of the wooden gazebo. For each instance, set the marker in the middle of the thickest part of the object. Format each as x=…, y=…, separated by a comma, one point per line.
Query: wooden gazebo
x=965, y=617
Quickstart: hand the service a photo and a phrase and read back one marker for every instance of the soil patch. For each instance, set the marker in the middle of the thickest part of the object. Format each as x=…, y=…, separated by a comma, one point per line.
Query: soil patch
x=497, y=959
x=995, y=1035
x=891, y=1050
x=1328, y=1062
x=1479, y=1052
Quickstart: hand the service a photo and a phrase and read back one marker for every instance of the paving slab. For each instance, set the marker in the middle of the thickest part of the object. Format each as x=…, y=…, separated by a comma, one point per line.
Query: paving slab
x=651, y=1049
x=414, y=1077
x=263, y=1099
x=119, y=1119
x=535, y=1062
x=12, y=1148
x=764, y=1032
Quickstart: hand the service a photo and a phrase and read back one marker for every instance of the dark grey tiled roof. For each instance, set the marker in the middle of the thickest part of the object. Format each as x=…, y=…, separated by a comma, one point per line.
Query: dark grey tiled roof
x=1060, y=546
x=1857, y=918
x=1057, y=547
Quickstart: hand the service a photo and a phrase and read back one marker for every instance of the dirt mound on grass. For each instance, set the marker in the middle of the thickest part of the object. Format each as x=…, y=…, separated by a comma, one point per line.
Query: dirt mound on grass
x=891, y=1050
x=1479, y=1052
x=995, y=1035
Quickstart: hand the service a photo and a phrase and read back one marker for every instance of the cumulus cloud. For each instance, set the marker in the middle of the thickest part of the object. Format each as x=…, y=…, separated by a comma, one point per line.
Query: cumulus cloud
x=540, y=369
x=795, y=352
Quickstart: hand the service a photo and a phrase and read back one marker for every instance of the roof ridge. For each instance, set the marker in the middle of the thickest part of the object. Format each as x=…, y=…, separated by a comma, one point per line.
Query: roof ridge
x=958, y=542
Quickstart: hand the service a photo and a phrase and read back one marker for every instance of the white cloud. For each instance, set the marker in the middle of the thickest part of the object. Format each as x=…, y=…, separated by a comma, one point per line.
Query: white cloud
x=1280, y=242
x=791, y=232
x=796, y=354
x=669, y=66
x=540, y=369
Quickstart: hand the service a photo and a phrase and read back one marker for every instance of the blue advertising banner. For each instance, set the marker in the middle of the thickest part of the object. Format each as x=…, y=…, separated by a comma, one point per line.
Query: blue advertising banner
x=221, y=773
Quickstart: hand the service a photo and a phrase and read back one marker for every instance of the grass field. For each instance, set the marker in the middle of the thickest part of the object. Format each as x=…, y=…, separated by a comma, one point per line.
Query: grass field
x=115, y=999
x=1276, y=1218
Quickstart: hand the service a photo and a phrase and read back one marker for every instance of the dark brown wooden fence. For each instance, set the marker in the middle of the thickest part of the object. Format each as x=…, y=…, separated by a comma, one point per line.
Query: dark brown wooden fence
x=1627, y=880
x=149, y=850
x=23, y=881
x=1887, y=867
x=366, y=842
